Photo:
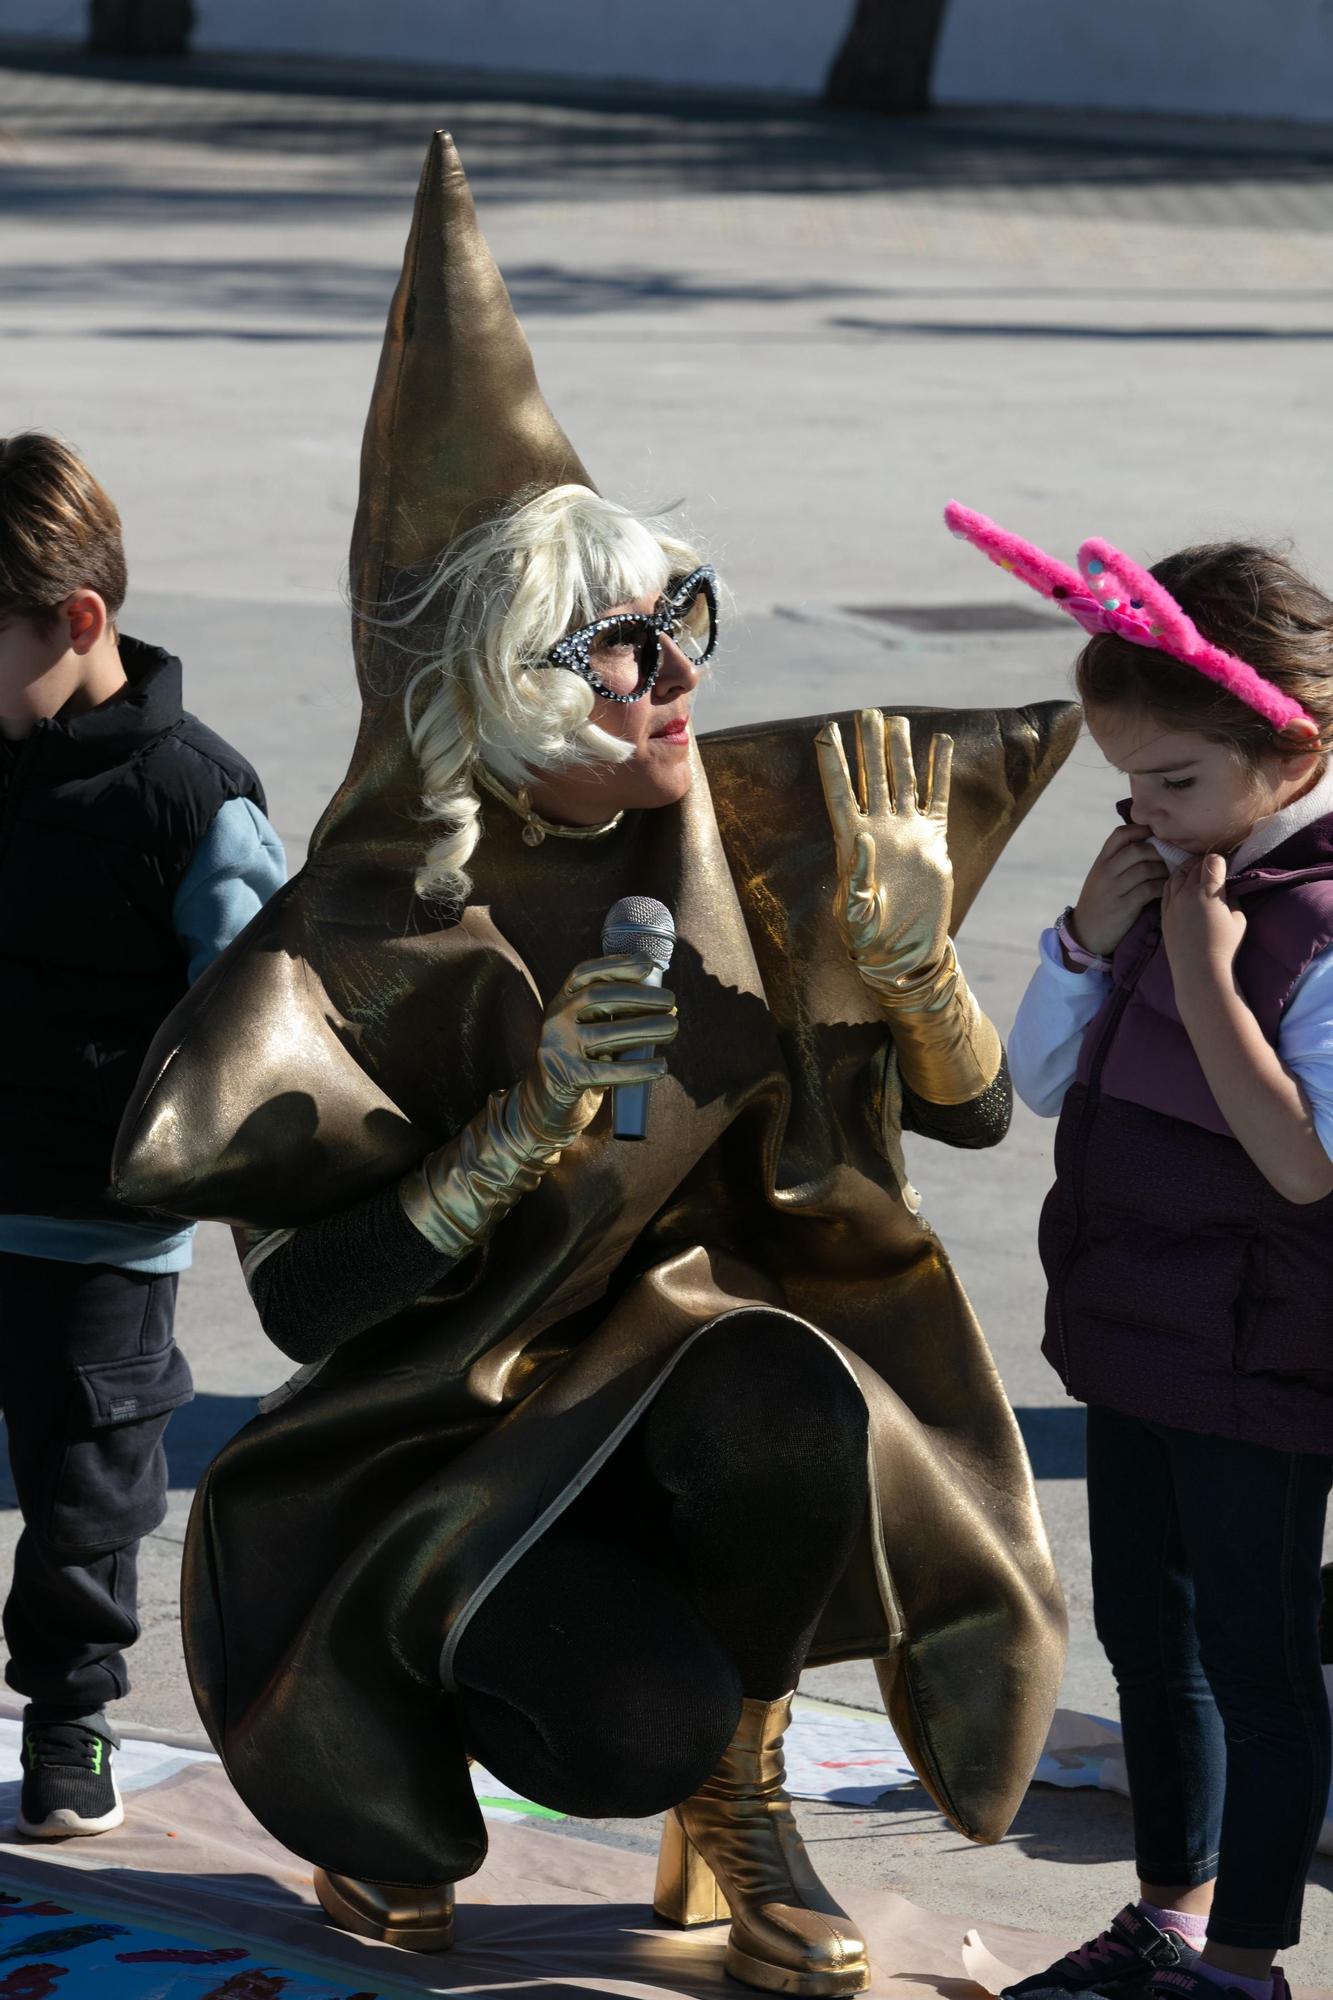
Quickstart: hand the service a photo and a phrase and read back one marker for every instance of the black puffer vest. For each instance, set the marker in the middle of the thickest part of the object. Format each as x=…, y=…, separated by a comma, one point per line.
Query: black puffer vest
x=100, y=815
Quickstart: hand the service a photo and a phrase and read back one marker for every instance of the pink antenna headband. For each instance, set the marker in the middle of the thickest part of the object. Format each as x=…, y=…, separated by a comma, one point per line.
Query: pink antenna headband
x=1109, y=592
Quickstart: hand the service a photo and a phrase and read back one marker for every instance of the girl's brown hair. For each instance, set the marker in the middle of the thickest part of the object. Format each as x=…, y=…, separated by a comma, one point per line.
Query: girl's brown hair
x=1251, y=601
x=59, y=531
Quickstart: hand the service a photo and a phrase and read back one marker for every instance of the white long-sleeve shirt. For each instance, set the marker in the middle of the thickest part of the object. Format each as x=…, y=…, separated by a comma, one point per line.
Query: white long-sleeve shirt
x=1058, y=1005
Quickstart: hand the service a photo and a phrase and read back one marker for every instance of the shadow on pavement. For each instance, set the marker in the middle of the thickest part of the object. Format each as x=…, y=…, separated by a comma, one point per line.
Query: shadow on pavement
x=195, y=1436
x=197, y=1432
x=1056, y=1440
x=352, y=119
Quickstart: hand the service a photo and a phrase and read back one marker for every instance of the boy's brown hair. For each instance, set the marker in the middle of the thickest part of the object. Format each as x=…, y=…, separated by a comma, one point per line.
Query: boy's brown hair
x=59, y=532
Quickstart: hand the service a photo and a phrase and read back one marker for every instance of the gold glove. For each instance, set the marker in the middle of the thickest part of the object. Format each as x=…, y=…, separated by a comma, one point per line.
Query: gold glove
x=460, y=1191
x=895, y=893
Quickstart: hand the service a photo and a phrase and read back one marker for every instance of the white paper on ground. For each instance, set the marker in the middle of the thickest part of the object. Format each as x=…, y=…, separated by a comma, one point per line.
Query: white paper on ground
x=1081, y=1750
x=981, y=1965
x=847, y=1756
x=247, y=1884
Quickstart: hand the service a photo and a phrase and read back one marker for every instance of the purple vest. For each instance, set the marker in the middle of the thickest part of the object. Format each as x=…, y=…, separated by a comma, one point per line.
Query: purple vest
x=1183, y=1288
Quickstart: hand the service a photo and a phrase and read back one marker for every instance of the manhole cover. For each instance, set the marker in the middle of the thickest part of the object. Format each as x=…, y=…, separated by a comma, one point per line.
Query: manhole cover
x=997, y=617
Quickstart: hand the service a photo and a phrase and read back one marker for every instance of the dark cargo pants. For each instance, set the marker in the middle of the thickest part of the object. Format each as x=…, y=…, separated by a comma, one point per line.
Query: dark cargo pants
x=89, y=1375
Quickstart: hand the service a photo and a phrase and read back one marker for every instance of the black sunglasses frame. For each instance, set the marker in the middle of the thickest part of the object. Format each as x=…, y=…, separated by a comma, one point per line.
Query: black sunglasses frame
x=574, y=651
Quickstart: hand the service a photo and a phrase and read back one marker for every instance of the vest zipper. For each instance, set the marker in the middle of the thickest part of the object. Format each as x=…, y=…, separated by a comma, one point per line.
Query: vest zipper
x=1120, y=999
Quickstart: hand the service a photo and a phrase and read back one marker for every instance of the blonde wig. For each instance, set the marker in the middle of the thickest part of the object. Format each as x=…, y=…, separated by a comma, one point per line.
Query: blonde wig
x=508, y=591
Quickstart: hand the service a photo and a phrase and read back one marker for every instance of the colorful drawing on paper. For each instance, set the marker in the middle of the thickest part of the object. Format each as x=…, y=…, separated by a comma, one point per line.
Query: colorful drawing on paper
x=53, y=1951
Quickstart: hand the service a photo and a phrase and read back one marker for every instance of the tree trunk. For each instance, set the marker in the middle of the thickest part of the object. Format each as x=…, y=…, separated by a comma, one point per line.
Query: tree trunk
x=884, y=64
x=140, y=27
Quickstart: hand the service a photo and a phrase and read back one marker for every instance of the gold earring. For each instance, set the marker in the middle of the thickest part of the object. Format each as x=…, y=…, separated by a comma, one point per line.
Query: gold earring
x=534, y=833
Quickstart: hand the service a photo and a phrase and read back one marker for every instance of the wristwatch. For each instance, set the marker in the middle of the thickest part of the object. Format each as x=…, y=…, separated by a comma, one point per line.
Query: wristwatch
x=1077, y=954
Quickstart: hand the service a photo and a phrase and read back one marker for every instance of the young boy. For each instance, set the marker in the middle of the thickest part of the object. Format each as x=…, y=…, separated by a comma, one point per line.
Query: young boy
x=133, y=848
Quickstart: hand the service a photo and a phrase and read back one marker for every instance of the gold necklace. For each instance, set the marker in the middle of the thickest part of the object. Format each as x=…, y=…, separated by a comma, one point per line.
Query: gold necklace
x=535, y=828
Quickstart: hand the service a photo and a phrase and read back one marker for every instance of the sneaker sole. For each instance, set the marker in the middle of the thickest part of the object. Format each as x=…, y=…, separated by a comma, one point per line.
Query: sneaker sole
x=66, y=1824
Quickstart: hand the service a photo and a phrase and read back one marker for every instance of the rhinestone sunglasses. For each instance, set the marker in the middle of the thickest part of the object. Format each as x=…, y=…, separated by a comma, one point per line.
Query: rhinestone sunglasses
x=621, y=657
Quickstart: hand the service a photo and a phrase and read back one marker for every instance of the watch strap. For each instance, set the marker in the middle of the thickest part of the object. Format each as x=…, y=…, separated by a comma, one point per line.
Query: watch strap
x=1078, y=954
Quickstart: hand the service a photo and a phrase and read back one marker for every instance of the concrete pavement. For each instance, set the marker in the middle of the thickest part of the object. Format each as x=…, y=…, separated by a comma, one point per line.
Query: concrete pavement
x=812, y=330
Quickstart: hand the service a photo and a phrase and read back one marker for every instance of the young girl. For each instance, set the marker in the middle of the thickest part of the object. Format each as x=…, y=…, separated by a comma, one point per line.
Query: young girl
x=1181, y=1023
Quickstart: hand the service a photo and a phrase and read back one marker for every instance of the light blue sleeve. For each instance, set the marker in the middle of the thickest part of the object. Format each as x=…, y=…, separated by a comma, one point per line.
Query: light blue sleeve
x=1305, y=1041
x=1048, y=1028
x=232, y=873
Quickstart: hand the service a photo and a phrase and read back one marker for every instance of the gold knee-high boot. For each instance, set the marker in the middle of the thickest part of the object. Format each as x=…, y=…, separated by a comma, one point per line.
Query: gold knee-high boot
x=413, y=1918
x=734, y=1850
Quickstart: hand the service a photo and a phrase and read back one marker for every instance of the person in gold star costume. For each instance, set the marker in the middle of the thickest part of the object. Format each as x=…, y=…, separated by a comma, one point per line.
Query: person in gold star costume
x=596, y=1444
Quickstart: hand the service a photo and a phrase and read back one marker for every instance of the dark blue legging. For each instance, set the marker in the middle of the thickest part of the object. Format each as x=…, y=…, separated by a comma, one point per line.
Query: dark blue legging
x=1207, y=1591
x=603, y=1676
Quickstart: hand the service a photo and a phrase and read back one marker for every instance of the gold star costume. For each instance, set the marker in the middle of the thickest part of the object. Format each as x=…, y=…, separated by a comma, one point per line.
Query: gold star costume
x=340, y=1543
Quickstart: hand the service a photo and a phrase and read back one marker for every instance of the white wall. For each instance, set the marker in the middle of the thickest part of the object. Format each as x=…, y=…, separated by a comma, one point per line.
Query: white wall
x=63, y=20
x=1255, y=58
x=755, y=44
x=782, y=45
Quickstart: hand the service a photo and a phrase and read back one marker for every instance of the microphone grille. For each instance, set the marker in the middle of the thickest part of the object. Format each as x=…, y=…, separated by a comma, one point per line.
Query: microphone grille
x=640, y=924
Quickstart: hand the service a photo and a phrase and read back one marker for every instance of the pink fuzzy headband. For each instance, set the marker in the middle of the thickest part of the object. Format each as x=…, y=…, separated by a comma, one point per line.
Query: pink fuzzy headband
x=1110, y=593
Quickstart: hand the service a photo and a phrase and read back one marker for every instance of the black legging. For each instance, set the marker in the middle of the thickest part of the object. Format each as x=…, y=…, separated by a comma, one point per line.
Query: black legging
x=603, y=1676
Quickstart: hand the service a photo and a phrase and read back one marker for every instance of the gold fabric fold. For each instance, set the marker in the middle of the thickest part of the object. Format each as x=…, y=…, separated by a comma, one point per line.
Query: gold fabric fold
x=460, y=1191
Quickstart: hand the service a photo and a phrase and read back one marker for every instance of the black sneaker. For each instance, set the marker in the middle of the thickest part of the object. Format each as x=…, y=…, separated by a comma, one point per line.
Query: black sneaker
x=68, y=1784
x=1182, y=1984
x=1121, y=1962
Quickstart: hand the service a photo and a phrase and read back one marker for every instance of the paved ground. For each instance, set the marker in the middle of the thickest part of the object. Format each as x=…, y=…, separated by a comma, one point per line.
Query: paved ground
x=814, y=331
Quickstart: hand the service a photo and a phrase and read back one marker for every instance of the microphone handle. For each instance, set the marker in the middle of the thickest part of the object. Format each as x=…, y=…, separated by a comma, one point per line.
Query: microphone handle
x=629, y=1101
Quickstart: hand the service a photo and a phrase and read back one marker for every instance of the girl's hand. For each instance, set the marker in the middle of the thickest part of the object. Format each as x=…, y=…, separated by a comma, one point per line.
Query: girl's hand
x=1200, y=929
x=1126, y=876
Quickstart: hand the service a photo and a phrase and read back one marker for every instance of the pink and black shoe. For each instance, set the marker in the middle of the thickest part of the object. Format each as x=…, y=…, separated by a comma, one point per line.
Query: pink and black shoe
x=1179, y=1983
x=1122, y=1963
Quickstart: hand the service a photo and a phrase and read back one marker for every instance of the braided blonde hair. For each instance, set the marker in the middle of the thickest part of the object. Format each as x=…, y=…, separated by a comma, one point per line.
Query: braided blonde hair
x=510, y=590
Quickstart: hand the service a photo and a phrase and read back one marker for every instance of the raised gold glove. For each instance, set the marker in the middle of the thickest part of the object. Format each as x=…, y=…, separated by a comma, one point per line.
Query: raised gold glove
x=894, y=896
x=460, y=1191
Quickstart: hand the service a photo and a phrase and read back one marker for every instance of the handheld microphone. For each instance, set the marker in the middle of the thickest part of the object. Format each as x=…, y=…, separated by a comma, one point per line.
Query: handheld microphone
x=637, y=924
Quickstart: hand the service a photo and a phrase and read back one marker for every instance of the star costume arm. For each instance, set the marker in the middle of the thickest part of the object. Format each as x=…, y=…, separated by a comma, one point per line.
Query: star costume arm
x=983, y=1121
x=459, y=1192
x=893, y=902
x=318, y=1285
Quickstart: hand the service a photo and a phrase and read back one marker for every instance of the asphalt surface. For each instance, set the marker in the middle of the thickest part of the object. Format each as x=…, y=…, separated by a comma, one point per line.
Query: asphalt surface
x=812, y=331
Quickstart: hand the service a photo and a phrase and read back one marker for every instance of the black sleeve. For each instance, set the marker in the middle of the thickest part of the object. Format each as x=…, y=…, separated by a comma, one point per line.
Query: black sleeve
x=337, y=1276
x=982, y=1121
